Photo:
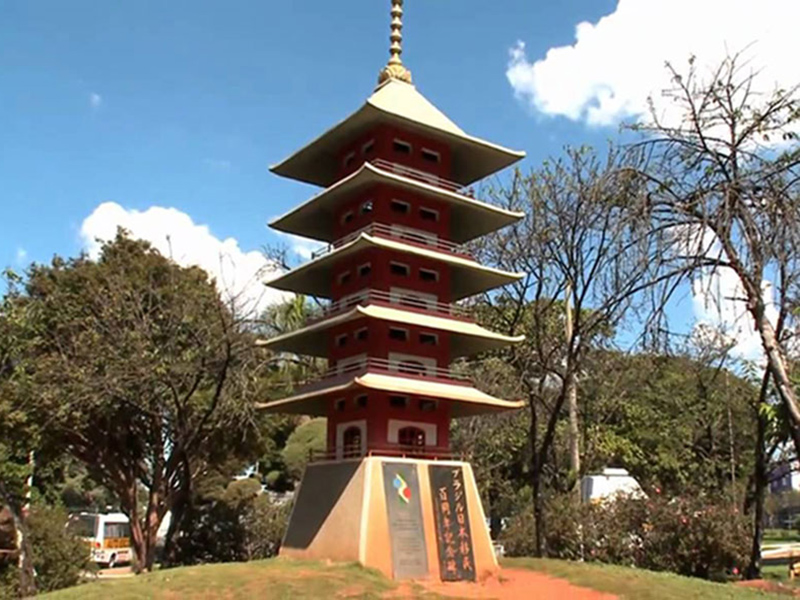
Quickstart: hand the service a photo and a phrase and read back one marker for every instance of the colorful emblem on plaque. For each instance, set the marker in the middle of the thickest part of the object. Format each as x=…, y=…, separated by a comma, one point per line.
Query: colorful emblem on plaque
x=402, y=488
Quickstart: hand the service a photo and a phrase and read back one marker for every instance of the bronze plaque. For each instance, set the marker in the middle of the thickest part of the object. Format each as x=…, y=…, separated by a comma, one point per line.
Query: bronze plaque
x=453, y=533
x=406, y=529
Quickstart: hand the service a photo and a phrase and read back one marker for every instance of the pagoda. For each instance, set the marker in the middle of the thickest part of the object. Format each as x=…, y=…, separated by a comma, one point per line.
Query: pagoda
x=395, y=213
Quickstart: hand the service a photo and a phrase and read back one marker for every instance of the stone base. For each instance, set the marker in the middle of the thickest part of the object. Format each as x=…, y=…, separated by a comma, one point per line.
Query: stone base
x=408, y=518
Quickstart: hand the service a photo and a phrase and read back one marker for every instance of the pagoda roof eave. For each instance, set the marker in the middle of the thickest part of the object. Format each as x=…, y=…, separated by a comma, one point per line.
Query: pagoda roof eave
x=397, y=102
x=467, y=338
x=465, y=401
x=468, y=276
x=470, y=218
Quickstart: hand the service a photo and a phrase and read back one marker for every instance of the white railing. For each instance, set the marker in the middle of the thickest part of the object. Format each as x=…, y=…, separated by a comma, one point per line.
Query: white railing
x=400, y=300
x=397, y=233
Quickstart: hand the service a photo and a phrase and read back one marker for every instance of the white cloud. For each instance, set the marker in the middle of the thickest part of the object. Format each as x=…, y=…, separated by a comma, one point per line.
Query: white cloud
x=239, y=274
x=614, y=64
x=21, y=255
x=95, y=100
x=718, y=303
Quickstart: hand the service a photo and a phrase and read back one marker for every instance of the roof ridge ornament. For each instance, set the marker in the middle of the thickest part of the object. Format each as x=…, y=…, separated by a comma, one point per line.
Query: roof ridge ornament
x=395, y=69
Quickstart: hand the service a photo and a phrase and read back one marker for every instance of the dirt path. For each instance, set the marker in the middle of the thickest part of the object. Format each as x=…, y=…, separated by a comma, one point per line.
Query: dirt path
x=512, y=584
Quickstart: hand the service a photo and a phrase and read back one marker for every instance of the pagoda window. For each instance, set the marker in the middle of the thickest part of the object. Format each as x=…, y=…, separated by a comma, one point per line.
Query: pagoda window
x=428, y=339
x=347, y=217
x=344, y=277
x=368, y=147
x=361, y=401
x=400, y=207
x=428, y=214
x=367, y=207
x=365, y=269
x=396, y=333
x=399, y=269
x=361, y=334
x=398, y=401
x=341, y=340
x=411, y=436
x=402, y=147
x=349, y=158
x=431, y=156
x=352, y=442
x=428, y=275
x=428, y=405
x=339, y=406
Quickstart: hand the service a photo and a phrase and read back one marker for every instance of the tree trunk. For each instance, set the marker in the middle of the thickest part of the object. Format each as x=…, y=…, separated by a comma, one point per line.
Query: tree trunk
x=540, y=542
x=574, y=434
x=571, y=385
x=27, y=577
x=753, y=570
x=778, y=368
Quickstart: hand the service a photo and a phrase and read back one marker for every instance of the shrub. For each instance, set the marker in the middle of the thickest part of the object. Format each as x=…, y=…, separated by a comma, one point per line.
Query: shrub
x=310, y=436
x=59, y=557
x=696, y=536
x=240, y=524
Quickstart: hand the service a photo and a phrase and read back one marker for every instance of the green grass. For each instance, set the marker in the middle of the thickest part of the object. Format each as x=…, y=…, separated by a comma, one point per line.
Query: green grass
x=299, y=580
x=636, y=584
x=780, y=536
x=268, y=579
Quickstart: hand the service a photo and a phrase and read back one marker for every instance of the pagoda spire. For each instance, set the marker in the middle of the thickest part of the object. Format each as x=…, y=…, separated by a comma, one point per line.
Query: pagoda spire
x=395, y=69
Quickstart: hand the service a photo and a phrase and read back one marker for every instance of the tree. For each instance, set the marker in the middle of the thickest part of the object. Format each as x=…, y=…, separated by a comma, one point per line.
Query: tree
x=307, y=438
x=578, y=235
x=18, y=438
x=725, y=181
x=137, y=368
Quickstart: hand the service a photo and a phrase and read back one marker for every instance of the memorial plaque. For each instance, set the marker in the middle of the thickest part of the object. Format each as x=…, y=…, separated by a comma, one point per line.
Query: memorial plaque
x=406, y=530
x=453, y=533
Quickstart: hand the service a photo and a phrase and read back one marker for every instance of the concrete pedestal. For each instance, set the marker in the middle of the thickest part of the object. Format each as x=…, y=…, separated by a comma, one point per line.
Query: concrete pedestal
x=408, y=518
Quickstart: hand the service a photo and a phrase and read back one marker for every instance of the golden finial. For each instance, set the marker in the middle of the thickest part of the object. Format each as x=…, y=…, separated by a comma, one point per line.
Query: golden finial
x=395, y=68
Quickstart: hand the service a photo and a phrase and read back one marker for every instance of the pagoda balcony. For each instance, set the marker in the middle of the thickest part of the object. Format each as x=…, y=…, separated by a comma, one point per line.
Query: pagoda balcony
x=423, y=176
x=401, y=235
x=381, y=298
x=382, y=366
x=385, y=449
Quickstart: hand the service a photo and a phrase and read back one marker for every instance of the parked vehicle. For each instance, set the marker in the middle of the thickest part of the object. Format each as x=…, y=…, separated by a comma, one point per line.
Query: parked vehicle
x=608, y=484
x=109, y=536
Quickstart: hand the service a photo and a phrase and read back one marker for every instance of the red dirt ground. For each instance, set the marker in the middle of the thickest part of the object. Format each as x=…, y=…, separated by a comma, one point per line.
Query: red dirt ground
x=770, y=586
x=512, y=584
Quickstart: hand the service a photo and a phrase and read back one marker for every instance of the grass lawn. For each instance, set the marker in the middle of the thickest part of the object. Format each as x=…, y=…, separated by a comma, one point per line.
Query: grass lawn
x=780, y=536
x=636, y=584
x=278, y=578
x=298, y=580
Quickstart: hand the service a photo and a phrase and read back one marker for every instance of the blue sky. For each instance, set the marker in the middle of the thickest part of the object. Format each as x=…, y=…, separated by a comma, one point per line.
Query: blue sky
x=184, y=104
x=195, y=99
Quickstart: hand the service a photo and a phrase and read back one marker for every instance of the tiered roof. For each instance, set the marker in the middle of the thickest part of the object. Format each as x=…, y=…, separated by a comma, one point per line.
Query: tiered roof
x=395, y=102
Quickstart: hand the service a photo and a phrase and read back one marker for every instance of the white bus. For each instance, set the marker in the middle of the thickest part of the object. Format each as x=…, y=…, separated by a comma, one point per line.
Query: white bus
x=109, y=536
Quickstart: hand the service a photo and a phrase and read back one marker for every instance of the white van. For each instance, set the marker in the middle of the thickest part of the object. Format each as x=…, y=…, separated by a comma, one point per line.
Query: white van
x=109, y=536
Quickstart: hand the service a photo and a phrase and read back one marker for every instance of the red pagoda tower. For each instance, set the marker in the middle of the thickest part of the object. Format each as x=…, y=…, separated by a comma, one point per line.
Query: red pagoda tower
x=395, y=214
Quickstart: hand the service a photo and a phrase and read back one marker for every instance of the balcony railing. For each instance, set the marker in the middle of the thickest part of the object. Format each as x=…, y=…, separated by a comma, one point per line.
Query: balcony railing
x=396, y=233
x=393, y=450
x=406, y=302
x=382, y=366
x=429, y=178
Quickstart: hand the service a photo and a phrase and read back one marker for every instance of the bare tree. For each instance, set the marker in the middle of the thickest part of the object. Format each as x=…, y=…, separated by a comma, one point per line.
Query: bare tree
x=578, y=235
x=725, y=180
